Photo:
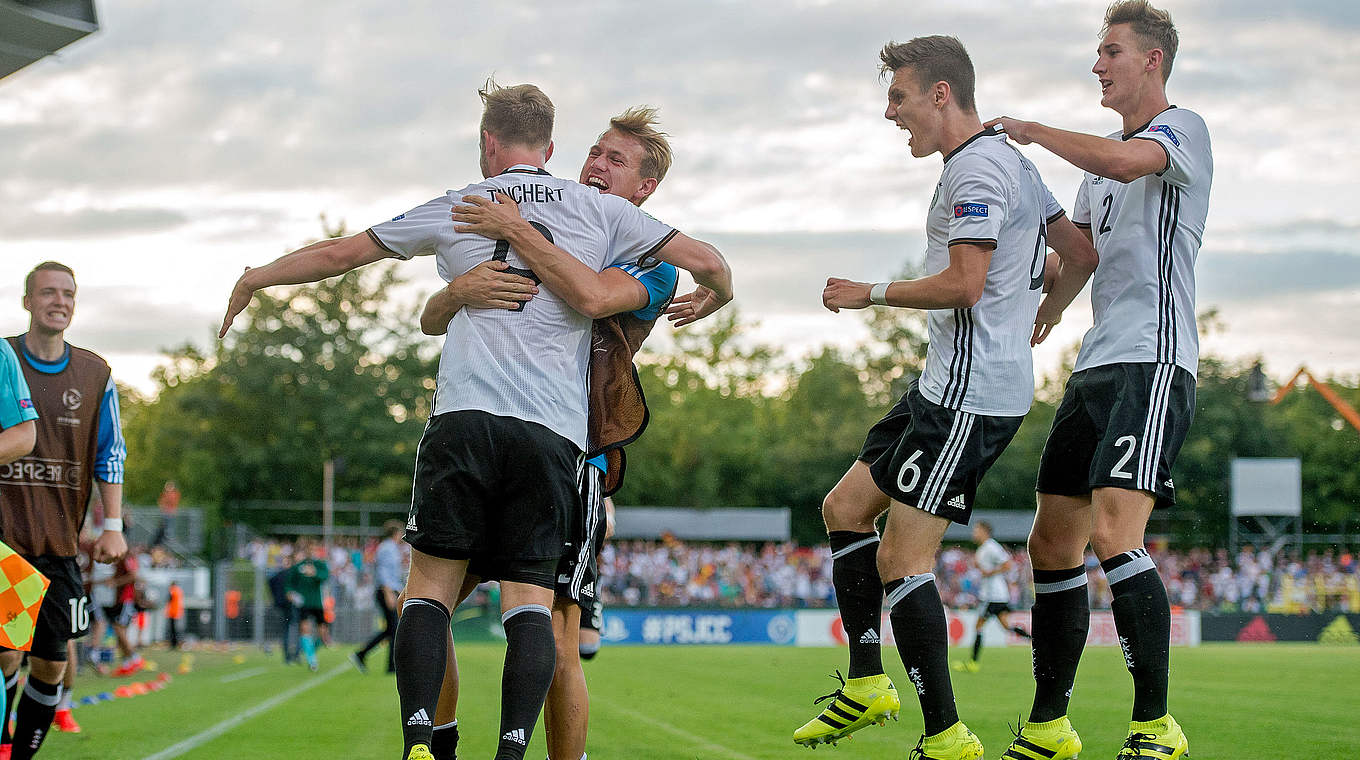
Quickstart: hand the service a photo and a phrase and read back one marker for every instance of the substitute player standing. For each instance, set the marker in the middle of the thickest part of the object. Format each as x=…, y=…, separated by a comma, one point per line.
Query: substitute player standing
x=497, y=467
x=628, y=160
x=1129, y=403
x=43, y=497
x=18, y=431
x=994, y=591
x=986, y=233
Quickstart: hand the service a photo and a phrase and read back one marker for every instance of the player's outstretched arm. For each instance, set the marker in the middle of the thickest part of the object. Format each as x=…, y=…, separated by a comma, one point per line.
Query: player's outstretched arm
x=16, y=441
x=1077, y=260
x=959, y=286
x=485, y=286
x=316, y=262
x=1120, y=160
x=593, y=294
x=706, y=265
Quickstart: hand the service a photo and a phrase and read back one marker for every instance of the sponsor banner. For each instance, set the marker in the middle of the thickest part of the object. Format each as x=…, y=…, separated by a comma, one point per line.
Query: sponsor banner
x=821, y=628
x=1324, y=628
x=625, y=626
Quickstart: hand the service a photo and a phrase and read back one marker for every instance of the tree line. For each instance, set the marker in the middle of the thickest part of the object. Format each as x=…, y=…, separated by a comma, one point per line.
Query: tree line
x=341, y=371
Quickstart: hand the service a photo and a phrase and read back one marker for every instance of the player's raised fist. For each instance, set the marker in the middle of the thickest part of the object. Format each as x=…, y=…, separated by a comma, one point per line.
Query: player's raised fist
x=845, y=294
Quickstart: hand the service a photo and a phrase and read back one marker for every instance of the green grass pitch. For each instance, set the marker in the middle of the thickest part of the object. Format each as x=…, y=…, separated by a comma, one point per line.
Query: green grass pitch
x=737, y=703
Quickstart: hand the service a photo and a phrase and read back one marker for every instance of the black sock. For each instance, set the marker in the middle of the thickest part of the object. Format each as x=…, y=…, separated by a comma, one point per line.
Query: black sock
x=977, y=639
x=11, y=688
x=1021, y=632
x=444, y=744
x=1142, y=617
x=859, y=594
x=530, y=657
x=922, y=634
x=419, y=653
x=1060, y=620
x=36, y=708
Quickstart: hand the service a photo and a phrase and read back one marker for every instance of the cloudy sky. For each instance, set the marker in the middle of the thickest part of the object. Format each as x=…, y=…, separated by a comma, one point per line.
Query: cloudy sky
x=188, y=139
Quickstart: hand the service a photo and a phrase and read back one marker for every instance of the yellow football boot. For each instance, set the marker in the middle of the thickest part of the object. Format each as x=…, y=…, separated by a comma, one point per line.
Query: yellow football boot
x=419, y=752
x=858, y=703
x=1054, y=740
x=1160, y=739
x=953, y=743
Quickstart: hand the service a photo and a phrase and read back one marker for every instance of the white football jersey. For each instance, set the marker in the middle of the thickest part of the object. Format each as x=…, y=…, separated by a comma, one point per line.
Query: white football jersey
x=979, y=358
x=991, y=556
x=1148, y=233
x=529, y=364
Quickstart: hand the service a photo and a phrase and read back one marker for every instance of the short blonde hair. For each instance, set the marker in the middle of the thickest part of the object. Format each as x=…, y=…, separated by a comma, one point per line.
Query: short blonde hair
x=1152, y=25
x=518, y=114
x=639, y=122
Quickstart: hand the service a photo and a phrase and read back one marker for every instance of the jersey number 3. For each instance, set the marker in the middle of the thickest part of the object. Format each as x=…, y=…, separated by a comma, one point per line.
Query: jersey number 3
x=503, y=251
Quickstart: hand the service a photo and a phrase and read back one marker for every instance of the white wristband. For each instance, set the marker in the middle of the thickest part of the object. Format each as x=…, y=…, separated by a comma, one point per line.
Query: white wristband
x=114, y=524
x=879, y=293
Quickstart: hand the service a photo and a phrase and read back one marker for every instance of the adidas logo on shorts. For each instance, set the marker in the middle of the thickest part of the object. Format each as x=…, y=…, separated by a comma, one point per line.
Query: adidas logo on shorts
x=870, y=637
x=420, y=718
x=957, y=502
x=516, y=736
x=411, y=523
x=588, y=589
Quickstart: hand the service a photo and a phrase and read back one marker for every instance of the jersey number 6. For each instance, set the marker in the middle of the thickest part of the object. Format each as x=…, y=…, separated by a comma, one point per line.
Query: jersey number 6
x=503, y=251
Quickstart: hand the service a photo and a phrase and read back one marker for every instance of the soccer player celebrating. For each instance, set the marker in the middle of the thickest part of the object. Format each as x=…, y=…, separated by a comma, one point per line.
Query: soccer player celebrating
x=994, y=593
x=44, y=495
x=628, y=160
x=1129, y=402
x=986, y=233
x=496, y=468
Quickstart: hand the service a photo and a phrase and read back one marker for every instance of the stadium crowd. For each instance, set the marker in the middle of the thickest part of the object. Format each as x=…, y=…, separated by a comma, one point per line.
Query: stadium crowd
x=671, y=572
x=674, y=573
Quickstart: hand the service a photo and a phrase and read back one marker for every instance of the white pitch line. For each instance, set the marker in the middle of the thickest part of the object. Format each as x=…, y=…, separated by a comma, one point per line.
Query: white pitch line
x=242, y=675
x=674, y=730
x=203, y=737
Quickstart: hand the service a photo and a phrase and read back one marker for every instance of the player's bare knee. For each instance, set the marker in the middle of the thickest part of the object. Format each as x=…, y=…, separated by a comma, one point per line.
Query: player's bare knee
x=47, y=671
x=839, y=512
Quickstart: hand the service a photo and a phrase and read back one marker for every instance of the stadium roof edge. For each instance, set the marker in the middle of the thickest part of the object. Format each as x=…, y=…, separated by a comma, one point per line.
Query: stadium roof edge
x=31, y=30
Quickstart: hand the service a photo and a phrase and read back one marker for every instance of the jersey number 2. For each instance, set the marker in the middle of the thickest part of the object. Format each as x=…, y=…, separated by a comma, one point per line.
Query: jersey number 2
x=503, y=251
x=1118, y=470
x=1108, y=203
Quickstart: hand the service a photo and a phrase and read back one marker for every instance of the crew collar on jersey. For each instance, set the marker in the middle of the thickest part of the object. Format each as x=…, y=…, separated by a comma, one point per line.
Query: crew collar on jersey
x=47, y=368
x=988, y=132
x=1129, y=135
x=526, y=169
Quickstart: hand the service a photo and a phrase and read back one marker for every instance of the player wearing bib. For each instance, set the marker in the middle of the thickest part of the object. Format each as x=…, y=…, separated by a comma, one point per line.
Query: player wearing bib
x=628, y=160
x=44, y=495
x=18, y=432
x=1129, y=403
x=987, y=233
x=497, y=468
x=994, y=592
